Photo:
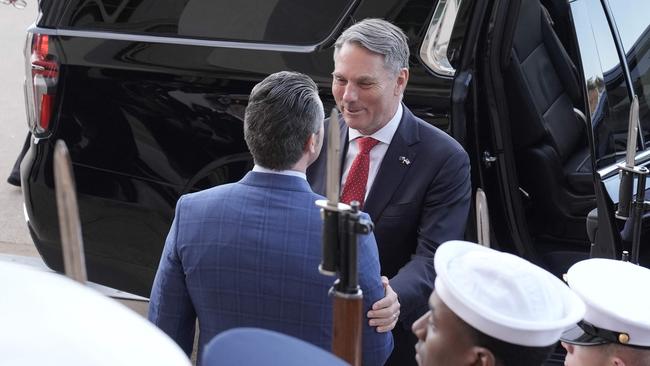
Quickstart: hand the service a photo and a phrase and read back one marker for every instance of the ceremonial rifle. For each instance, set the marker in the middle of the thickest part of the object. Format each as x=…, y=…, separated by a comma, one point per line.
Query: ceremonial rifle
x=341, y=225
x=74, y=262
x=628, y=207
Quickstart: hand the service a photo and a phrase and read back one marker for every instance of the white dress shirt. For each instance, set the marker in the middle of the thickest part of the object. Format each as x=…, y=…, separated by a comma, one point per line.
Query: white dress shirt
x=294, y=173
x=384, y=136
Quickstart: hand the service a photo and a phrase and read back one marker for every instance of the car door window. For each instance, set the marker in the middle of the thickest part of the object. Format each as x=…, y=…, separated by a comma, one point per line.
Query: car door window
x=607, y=96
x=633, y=21
x=270, y=21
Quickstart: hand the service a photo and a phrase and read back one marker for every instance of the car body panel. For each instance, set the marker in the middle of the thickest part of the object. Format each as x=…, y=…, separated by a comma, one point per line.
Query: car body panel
x=153, y=109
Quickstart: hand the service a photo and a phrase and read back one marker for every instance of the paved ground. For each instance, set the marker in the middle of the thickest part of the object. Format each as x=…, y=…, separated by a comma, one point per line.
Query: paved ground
x=14, y=237
x=15, y=242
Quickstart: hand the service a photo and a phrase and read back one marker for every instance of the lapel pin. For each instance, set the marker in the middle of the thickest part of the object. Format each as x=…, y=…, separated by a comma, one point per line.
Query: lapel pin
x=404, y=160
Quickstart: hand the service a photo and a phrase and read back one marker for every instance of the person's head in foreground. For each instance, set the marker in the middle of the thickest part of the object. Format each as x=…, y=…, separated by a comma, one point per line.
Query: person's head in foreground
x=283, y=123
x=492, y=308
x=49, y=319
x=616, y=327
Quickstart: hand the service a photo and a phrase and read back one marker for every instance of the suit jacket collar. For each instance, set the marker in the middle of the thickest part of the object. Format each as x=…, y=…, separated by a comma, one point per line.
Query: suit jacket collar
x=399, y=158
x=393, y=167
x=276, y=181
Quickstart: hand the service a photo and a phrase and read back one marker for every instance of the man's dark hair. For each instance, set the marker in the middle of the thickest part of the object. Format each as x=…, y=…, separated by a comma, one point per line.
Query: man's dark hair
x=508, y=354
x=283, y=110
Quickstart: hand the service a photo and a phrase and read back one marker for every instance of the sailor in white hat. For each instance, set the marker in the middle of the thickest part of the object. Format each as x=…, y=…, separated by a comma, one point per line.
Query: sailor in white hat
x=492, y=308
x=48, y=319
x=616, y=327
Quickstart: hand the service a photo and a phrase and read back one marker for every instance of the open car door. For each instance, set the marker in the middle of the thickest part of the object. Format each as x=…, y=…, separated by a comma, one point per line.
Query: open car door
x=551, y=90
x=614, y=41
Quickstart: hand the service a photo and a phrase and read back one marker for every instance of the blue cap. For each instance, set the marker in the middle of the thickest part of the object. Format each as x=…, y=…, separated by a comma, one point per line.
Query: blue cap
x=254, y=346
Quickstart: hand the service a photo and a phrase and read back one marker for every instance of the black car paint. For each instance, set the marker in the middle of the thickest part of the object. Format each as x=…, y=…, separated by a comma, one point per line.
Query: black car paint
x=146, y=122
x=148, y=118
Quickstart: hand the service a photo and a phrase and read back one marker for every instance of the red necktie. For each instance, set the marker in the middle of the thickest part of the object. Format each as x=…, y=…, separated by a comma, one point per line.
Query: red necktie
x=355, y=183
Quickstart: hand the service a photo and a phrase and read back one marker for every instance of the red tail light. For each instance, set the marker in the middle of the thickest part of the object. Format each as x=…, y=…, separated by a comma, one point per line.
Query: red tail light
x=42, y=79
x=46, y=110
x=41, y=44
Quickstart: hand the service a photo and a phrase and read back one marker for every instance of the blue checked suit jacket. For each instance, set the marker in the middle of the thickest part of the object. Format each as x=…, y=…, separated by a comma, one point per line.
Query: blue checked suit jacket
x=246, y=255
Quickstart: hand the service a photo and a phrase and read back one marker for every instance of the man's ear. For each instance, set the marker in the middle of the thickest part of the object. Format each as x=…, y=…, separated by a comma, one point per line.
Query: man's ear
x=482, y=357
x=310, y=145
x=402, y=80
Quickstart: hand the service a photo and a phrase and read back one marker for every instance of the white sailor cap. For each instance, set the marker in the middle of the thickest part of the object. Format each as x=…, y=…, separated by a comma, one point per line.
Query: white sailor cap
x=618, y=303
x=48, y=319
x=504, y=296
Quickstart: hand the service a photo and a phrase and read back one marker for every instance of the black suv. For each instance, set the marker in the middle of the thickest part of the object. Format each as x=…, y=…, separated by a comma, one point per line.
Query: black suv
x=149, y=96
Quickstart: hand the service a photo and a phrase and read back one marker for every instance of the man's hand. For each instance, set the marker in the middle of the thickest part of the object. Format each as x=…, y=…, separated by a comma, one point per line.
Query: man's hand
x=385, y=312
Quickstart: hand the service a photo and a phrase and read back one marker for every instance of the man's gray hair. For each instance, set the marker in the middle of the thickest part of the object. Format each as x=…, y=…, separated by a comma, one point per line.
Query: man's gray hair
x=283, y=111
x=381, y=37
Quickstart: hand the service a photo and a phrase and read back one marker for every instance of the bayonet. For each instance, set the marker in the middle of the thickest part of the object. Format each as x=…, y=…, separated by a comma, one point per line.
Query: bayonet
x=333, y=159
x=74, y=262
x=632, y=133
x=637, y=206
x=482, y=219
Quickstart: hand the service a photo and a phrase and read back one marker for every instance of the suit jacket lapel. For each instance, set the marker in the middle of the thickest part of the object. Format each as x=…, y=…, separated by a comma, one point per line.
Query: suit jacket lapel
x=393, y=168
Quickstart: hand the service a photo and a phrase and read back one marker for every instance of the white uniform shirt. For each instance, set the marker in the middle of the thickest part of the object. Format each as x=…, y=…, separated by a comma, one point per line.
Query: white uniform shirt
x=384, y=136
x=293, y=173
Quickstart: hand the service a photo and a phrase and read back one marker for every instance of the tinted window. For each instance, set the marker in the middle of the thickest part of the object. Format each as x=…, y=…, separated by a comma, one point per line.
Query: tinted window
x=273, y=21
x=633, y=21
x=606, y=89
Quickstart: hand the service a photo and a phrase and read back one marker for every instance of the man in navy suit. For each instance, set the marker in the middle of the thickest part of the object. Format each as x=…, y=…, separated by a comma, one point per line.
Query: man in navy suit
x=416, y=186
x=247, y=254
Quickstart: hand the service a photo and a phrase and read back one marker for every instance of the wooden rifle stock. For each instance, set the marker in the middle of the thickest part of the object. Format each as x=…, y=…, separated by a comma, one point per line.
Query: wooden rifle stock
x=347, y=327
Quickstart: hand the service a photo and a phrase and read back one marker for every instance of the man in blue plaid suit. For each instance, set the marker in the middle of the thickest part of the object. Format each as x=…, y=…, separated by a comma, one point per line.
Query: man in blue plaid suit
x=246, y=254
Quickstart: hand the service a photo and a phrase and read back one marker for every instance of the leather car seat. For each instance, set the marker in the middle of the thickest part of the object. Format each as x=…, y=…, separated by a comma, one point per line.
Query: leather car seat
x=550, y=142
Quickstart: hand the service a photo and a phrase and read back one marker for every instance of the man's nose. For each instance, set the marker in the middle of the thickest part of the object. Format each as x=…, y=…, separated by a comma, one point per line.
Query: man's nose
x=420, y=334
x=350, y=94
x=420, y=330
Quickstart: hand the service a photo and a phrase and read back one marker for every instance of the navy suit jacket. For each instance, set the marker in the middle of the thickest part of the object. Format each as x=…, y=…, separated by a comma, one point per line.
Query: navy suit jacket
x=247, y=255
x=419, y=199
